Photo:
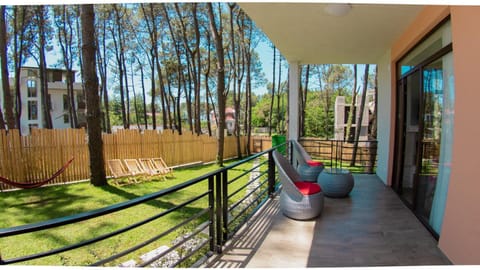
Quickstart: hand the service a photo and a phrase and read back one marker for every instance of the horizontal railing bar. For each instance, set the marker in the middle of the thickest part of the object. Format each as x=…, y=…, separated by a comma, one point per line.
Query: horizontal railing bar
x=245, y=173
x=200, y=246
x=236, y=228
x=246, y=185
x=246, y=196
x=194, y=233
x=102, y=237
x=52, y=223
x=256, y=202
x=238, y=163
x=151, y=240
x=245, y=209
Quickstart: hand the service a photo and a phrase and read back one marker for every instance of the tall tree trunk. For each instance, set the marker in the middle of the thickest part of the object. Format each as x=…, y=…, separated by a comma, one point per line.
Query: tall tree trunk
x=158, y=66
x=102, y=68
x=150, y=23
x=43, y=66
x=144, y=100
x=304, y=101
x=273, y=93
x=79, y=41
x=351, y=114
x=19, y=29
x=118, y=55
x=153, y=94
x=279, y=94
x=192, y=67
x=95, y=143
x=7, y=95
x=360, y=116
x=236, y=85
x=65, y=37
x=207, y=88
x=162, y=91
x=248, y=89
x=135, y=105
x=221, y=93
x=197, y=74
x=188, y=93
x=178, y=69
x=169, y=101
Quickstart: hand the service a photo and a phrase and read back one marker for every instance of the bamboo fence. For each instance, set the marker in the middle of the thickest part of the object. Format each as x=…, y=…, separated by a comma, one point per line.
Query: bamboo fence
x=37, y=156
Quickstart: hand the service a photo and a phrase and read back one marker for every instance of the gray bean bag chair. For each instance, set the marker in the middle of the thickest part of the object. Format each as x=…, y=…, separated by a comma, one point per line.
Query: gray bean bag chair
x=298, y=199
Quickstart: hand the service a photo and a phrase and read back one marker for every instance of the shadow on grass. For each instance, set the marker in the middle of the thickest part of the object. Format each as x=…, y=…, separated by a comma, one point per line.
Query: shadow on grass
x=74, y=233
x=166, y=202
x=43, y=204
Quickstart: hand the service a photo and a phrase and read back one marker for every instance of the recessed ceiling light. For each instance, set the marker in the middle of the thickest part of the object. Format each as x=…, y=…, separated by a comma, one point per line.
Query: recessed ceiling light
x=338, y=9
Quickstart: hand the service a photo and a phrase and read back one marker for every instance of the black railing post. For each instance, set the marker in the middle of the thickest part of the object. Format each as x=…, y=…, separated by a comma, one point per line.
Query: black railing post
x=218, y=211
x=211, y=215
x=225, y=205
x=271, y=174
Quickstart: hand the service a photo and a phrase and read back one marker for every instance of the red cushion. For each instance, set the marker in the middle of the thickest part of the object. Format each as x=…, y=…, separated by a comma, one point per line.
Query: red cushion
x=314, y=163
x=308, y=188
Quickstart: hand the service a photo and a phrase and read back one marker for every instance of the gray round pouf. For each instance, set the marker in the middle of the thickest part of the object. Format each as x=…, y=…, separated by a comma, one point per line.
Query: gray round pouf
x=309, y=173
x=335, y=182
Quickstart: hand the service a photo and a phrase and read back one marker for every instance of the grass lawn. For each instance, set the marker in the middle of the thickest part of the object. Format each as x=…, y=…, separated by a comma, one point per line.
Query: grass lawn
x=29, y=206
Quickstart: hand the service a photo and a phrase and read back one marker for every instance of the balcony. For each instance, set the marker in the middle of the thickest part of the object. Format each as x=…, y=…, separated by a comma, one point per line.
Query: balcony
x=239, y=224
x=371, y=227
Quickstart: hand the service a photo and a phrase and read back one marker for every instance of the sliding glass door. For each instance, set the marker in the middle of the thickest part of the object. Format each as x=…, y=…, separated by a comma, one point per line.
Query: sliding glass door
x=424, y=131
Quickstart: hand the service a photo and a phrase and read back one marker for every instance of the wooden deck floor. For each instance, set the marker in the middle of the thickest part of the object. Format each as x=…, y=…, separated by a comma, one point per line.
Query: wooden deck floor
x=371, y=227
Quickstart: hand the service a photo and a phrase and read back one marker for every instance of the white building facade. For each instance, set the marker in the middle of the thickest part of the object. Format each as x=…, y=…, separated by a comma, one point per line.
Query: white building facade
x=32, y=112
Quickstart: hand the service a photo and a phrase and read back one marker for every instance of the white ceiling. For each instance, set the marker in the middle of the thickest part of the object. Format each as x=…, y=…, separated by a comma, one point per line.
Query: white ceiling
x=304, y=32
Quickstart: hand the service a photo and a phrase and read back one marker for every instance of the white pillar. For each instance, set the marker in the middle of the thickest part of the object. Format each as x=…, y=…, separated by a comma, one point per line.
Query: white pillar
x=293, y=101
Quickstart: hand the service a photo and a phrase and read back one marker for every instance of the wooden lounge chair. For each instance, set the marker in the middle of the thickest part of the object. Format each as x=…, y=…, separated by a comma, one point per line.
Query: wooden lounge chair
x=117, y=169
x=161, y=165
x=299, y=199
x=134, y=167
x=150, y=168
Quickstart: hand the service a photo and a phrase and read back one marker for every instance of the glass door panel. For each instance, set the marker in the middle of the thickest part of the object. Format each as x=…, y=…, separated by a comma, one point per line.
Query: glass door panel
x=412, y=111
x=430, y=136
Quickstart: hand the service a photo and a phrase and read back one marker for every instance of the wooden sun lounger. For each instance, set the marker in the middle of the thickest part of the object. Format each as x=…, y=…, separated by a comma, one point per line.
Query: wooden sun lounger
x=161, y=165
x=117, y=169
x=150, y=167
x=134, y=167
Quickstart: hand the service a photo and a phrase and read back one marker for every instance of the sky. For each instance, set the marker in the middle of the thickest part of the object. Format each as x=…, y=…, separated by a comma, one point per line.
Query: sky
x=264, y=49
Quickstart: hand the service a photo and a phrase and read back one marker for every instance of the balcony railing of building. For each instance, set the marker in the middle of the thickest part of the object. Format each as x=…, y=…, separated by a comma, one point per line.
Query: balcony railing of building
x=222, y=206
x=360, y=157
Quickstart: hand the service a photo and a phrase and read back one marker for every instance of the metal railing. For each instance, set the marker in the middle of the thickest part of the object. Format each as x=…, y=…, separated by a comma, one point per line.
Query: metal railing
x=227, y=205
x=341, y=154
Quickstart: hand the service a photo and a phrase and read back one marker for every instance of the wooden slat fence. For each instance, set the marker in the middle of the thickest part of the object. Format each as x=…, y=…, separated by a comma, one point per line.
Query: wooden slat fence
x=260, y=143
x=37, y=156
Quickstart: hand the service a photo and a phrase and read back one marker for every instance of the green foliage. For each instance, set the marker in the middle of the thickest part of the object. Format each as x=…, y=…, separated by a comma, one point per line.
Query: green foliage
x=261, y=113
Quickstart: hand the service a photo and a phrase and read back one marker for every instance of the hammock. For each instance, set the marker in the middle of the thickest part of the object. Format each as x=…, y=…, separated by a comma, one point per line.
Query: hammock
x=25, y=185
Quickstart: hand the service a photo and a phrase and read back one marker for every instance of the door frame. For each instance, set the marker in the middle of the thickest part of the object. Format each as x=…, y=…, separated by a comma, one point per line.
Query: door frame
x=400, y=132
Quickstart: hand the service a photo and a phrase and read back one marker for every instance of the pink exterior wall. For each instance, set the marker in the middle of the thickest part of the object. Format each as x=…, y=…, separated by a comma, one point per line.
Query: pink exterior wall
x=460, y=235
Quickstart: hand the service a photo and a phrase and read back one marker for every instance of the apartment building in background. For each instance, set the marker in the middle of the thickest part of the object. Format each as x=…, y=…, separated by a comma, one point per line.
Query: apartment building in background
x=32, y=115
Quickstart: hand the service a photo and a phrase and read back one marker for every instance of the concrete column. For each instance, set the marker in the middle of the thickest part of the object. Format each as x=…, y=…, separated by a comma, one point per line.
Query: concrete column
x=293, y=101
